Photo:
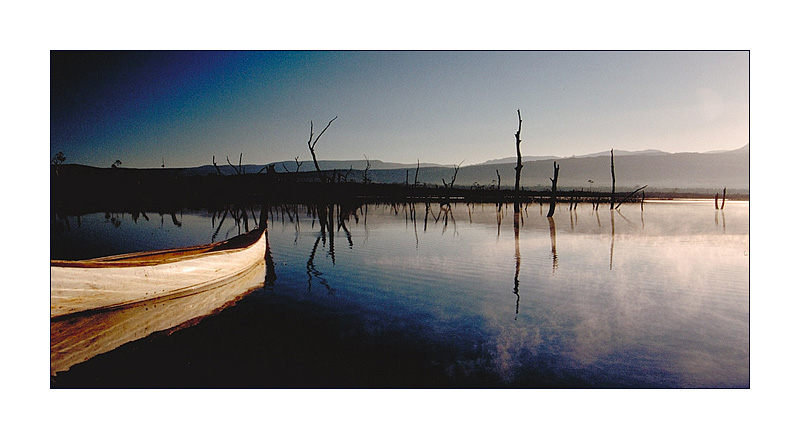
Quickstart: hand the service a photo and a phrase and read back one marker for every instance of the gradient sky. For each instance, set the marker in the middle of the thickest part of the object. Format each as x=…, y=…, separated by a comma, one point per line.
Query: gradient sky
x=440, y=107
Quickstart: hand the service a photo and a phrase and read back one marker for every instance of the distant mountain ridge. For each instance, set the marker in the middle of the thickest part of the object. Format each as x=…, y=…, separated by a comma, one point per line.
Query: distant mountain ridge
x=709, y=171
x=305, y=166
x=657, y=169
x=617, y=153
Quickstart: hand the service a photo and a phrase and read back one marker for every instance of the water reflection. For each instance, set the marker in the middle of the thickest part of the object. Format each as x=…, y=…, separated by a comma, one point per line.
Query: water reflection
x=665, y=305
x=642, y=214
x=325, y=233
x=613, y=235
x=499, y=218
x=572, y=220
x=239, y=216
x=517, y=259
x=553, y=252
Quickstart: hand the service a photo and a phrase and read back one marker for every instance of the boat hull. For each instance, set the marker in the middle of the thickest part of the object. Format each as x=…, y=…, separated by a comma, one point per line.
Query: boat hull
x=109, y=283
x=79, y=337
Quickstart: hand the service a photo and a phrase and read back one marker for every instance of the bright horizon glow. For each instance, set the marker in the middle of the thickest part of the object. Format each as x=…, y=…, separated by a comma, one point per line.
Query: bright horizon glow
x=435, y=107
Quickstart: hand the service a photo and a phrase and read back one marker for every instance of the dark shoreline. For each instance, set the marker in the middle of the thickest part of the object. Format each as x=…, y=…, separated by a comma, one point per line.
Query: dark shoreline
x=79, y=189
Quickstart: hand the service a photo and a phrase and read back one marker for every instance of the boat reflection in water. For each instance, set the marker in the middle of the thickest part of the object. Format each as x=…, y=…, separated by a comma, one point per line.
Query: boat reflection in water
x=78, y=338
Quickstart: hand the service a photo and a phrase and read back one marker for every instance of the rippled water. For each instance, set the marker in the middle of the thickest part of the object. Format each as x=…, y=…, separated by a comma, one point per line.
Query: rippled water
x=422, y=296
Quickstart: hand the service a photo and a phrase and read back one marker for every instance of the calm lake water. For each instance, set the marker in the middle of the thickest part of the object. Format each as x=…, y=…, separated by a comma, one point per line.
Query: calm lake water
x=409, y=296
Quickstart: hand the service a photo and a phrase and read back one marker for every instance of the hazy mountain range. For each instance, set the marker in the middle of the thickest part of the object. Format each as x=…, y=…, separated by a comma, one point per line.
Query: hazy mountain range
x=617, y=153
x=657, y=169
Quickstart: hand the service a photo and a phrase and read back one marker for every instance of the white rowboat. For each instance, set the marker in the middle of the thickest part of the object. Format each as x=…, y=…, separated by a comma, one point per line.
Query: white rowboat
x=79, y=337
x=117, y=281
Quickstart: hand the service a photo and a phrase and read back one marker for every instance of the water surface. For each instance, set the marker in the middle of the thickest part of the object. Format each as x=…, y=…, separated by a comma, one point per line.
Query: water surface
x=416, y=295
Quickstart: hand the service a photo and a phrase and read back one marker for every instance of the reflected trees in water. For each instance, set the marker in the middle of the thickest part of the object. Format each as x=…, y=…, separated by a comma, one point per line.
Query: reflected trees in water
x=553, y=252
x=611, y=257
x=499, y=218
x=717, y=214
x=326, y=236
x=312, y=270
x=241, y=220
x=517, y=260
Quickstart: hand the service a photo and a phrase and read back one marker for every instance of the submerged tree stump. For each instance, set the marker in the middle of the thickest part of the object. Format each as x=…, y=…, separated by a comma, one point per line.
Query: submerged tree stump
x=553, y=193
x=613, y=179
x=518, y=168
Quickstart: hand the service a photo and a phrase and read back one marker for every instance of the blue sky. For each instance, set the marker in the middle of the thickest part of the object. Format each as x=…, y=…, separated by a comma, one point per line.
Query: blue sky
x=442, y=107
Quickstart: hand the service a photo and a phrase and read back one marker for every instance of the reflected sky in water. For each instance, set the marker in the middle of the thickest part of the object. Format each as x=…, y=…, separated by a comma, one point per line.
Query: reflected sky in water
x=645, y=296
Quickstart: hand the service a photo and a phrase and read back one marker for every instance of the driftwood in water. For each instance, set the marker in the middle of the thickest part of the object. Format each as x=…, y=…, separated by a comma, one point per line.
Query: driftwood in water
x=716, y=199
x=553, y=193
x=630, y=195
x=613, y=179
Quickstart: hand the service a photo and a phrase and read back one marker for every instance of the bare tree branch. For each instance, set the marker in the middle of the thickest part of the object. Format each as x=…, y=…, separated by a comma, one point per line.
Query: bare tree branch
x=366, y=169
x=235, y=169
x=455, y=173
x=630, y=195
x=214, y=161
x=311, y=147
x=325, y=129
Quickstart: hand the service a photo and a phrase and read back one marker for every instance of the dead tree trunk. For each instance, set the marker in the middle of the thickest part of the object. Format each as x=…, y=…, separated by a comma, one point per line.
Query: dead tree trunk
x=613, y=179
x=235, y=169
x=518, y=168
x=553, y=193
x=366, y=170
x=214, y=161
x=311, y=147
x=724, y=193
x=497, y=171
x=716, y=201
x=455, y=173
x=630, y=195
